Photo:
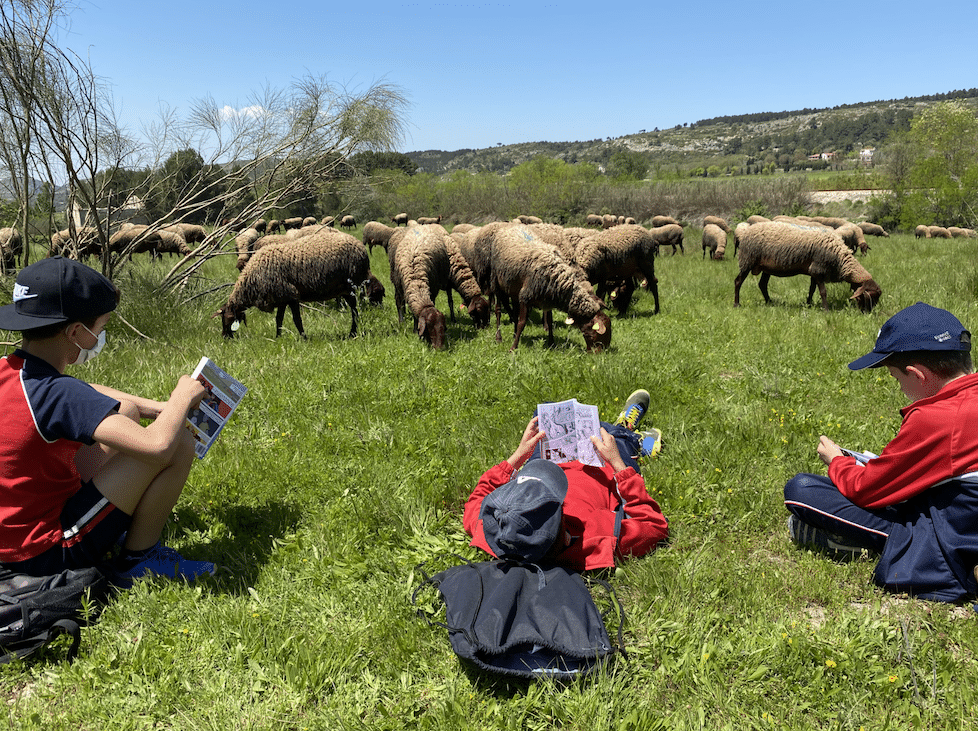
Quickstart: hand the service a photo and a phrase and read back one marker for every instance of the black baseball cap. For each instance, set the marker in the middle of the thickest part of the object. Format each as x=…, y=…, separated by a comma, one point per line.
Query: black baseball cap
x=56, y=290
x=918, y=327
x=522, y=518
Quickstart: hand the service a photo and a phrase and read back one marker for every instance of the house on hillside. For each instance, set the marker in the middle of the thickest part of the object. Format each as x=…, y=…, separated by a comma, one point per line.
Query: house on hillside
x=131, y=211
x=866, y=155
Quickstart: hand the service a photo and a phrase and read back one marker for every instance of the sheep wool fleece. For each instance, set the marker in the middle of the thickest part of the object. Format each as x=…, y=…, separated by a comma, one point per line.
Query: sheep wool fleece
x=48, y=416
x=589, y=514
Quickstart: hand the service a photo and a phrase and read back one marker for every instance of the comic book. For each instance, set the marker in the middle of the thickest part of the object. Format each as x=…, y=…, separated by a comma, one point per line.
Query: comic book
x=569, y=426
x=224, y=393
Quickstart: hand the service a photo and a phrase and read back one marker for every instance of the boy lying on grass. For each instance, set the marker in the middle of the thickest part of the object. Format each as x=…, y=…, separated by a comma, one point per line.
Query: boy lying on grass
x=77, y=469
x=916, y=504
x=568, y=513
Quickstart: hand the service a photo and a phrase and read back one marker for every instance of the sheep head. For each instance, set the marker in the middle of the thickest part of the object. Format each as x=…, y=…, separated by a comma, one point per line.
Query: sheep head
x=478, y=309
x=230, y=317
x=866, y=295
x=375, y=290
x=596, y=331
x=431, y=327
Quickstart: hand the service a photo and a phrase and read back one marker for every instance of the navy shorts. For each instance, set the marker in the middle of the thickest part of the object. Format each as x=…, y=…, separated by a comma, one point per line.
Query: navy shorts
x=91, y=527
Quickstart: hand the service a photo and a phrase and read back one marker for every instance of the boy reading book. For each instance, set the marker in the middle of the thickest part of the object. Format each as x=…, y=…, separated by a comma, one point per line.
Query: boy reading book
x=77, y=469
x=916, y=503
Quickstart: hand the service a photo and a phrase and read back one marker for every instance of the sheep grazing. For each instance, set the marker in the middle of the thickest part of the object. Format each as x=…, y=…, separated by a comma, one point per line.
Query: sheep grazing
x=593, y=219
x=961, y=233
x=717, y=221
x=191, y=232
x=532, y=273
x=669, y=235
x=309, y=221
x=462, y=228
x=259, y=225
x=853, y=237
x=658, y=221
x=629, y=221
x=714, y=241
x=294, y=222
x=872, y=229
x=329, y=221
x=782, y=250
x=939, y=232
x=134, y=239
x=243, y=244
x=608, y=221
x=419, y=266
x=613, y=258
x=921, y=232
x=170, y=242
x=376, y=234
x=462, y=280
x=400, y=219
x=348, y=221
x=757, y=219
x=312, y=269
x=529, y=220
x=427, y=221
x=86, y=243
x=11, y=246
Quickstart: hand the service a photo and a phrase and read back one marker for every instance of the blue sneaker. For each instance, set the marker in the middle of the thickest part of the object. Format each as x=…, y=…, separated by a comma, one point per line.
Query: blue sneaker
x=635, y=408
x=811, y=537
x=162, y=560
x=651, y=442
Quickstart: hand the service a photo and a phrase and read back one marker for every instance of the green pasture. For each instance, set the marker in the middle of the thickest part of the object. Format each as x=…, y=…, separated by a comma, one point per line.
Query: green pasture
x=348, y=462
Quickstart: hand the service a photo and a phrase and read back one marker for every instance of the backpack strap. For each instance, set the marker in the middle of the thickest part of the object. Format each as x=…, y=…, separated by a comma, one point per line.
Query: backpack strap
x=616, y=606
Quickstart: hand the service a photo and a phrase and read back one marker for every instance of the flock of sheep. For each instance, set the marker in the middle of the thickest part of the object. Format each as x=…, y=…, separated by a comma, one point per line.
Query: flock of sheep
x=515, y=266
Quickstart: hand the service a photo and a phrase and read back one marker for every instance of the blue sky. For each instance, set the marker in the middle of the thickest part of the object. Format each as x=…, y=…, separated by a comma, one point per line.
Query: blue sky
x=477, y=74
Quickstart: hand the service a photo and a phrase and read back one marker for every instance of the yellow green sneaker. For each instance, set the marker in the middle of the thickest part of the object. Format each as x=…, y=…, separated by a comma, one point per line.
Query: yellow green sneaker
x=651, y=441
x=635, y=408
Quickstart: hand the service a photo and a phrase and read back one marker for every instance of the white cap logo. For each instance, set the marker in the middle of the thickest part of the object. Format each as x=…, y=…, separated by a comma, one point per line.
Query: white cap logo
x=943, y=337
x=21, y=292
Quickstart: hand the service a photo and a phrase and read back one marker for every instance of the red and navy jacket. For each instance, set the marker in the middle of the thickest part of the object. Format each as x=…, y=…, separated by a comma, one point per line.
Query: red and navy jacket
x=926, y=482
x=47, y=416
x=590, y=513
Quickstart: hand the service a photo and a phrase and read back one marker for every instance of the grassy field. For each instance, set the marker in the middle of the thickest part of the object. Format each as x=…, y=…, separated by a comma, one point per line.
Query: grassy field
x=349, y=460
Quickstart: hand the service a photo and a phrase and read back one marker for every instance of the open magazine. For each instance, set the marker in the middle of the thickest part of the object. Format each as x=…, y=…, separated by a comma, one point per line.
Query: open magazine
x=569, y=426
x=209, y=417
x=861, y=457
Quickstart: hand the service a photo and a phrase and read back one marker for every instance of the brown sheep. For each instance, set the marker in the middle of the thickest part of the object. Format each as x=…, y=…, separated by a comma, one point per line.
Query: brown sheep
x=783, y=250
x=348, y=221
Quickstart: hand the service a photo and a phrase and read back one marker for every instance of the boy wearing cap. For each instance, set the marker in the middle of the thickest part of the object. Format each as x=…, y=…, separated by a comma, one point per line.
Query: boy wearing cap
x=571, y=514
x=916, y=504
x=77, y=469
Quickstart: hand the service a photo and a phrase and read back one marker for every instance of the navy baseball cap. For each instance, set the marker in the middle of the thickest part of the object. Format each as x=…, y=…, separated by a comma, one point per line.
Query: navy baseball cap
x=918, y=327
x=56, y=290
x=522, y=518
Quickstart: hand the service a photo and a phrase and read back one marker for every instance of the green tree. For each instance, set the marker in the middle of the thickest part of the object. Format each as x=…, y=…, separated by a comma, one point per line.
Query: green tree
x=943, y=175
x=627, y=165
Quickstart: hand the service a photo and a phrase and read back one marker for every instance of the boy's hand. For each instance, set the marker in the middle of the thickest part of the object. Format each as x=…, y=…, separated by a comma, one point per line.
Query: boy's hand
x=531, y=437
x=189, y=389
x=828, y=450
x=608, y=449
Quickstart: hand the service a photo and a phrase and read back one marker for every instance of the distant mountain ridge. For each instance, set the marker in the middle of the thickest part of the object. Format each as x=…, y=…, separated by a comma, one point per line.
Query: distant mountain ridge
x=732, y=141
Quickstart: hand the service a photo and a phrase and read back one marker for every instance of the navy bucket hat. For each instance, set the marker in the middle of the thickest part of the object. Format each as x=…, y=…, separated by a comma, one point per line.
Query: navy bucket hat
x=918, y=327
x=522, y=518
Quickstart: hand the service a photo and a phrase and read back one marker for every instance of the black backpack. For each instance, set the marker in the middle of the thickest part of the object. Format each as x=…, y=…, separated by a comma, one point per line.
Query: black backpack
x=35, y=610
x=523, y=620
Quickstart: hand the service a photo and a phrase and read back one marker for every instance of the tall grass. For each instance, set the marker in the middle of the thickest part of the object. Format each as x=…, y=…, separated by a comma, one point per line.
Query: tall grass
x=347, y=465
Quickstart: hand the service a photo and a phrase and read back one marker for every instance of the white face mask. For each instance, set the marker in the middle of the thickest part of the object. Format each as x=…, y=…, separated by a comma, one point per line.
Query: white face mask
x=86, y=354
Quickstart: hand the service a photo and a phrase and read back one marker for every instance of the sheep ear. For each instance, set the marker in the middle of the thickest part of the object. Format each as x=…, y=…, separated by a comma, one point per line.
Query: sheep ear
x=856, y=295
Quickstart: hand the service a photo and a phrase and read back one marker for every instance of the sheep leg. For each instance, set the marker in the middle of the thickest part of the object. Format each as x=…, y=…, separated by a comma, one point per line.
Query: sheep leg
x=520, y=324
x=652, y=285
x=296, y=318
x=399, y=302
x=548, y=326
x=351, y=300
x=741, y=276
x=499, y=308
x=451, y=305
x=762, y=285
